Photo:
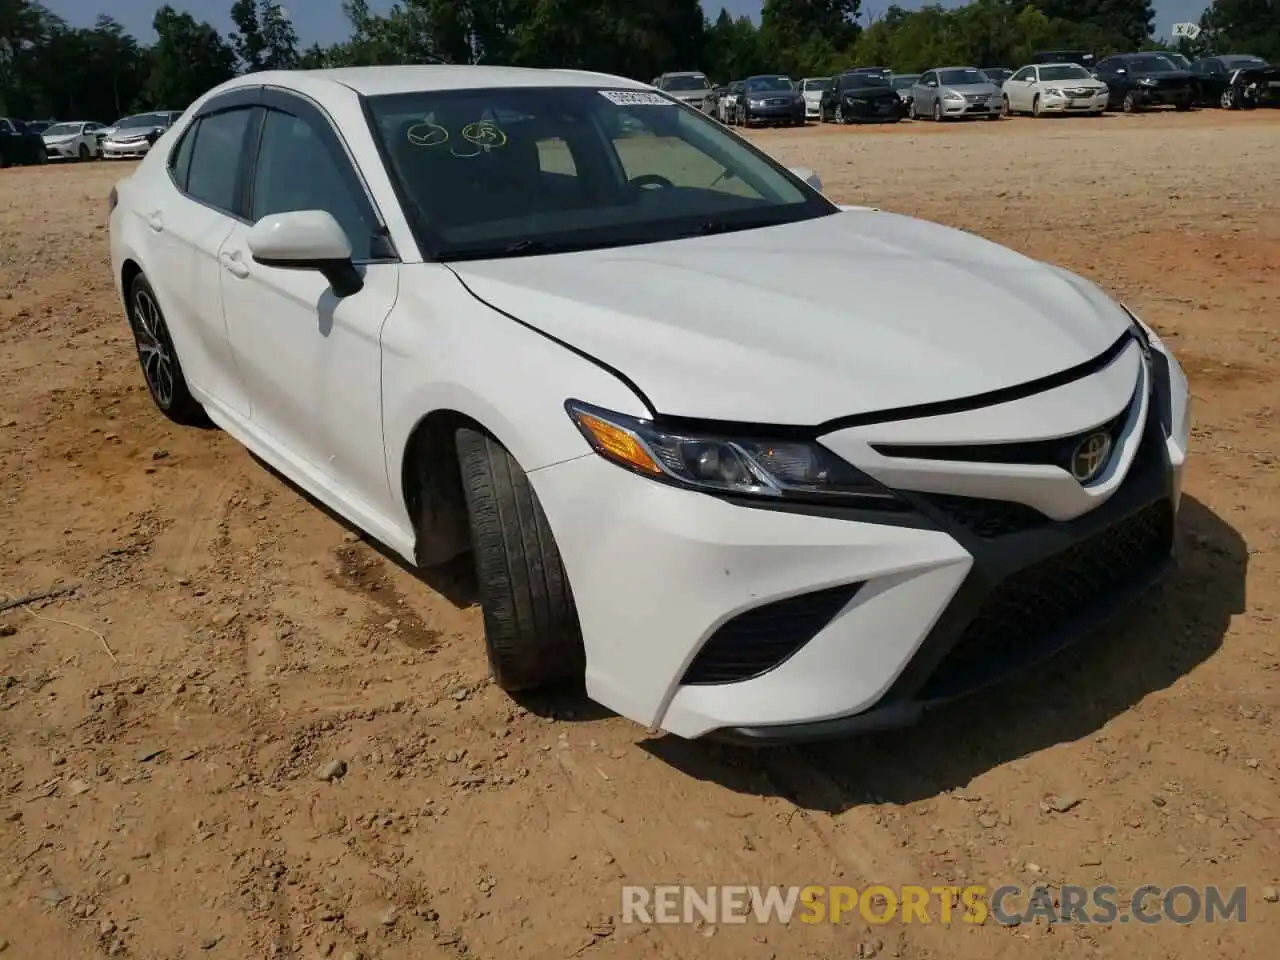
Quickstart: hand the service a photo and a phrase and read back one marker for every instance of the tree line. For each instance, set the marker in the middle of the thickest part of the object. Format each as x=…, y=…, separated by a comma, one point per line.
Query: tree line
x=51, y=69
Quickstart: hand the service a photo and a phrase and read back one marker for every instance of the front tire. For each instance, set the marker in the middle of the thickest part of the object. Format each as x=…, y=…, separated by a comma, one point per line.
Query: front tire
x=159, y=359
x=531, y=629
x=83, y=153
x=1130, y=103
x=1004, y=107
x=937, y=111
x=1035, y=105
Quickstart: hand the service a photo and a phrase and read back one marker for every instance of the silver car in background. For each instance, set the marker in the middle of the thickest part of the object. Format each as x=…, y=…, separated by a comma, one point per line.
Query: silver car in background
x=689, y=87
x=133, y=136
x=955, y=92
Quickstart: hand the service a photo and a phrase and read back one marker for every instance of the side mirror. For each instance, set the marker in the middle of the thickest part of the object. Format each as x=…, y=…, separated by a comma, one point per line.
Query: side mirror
x=307, y=240
x=808, y=176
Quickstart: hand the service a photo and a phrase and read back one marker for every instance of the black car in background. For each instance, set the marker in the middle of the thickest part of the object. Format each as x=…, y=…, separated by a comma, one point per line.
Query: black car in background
x=18, y=144
x=1235, y=80
x=1141, y=80
x=769, y=99
x=998, y=75
x=860, y=96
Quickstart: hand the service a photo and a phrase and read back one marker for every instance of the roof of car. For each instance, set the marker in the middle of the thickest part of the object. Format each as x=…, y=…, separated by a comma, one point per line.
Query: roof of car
x=376, y=81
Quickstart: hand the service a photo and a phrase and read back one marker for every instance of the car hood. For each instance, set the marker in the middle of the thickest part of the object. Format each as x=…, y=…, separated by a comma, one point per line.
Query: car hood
x=59, y=137
x=802, y=323
x=770, y=94
x=1162, y=74
x=689, y=94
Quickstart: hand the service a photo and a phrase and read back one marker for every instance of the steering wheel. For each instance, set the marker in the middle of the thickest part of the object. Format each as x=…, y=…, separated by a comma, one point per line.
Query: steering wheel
x=648, y=180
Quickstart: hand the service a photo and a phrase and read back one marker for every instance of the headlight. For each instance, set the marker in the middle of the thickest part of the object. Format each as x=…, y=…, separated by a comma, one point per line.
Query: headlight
x=1053, y=92
x=1146, y=81
x=756, y=102
x=951, y=95
x=753, y=467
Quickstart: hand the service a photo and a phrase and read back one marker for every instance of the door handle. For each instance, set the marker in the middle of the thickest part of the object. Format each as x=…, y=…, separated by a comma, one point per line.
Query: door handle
x=234, y=264
x=155, y=221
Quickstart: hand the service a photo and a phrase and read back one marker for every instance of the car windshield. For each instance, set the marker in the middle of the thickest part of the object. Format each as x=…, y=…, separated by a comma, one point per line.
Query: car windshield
x=62, y=129
x=1242, y=63
x=905, y=81
x=143, y=120
x=688, y=81
x=1064, y=72
x=815, y=83
x=962, y=77
x=1150, y=64
x=769, y=83
x=511, y=171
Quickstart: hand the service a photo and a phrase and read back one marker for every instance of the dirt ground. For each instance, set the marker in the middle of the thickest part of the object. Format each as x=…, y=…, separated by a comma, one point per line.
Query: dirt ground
x=161, y=728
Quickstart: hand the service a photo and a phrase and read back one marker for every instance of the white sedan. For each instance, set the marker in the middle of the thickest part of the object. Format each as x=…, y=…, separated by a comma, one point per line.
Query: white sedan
x=1054, y=88
x=561, y=321
x=77, y=140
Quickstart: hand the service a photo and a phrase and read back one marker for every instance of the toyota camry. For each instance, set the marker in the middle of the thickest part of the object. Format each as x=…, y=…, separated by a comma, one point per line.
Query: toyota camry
x=563, y=322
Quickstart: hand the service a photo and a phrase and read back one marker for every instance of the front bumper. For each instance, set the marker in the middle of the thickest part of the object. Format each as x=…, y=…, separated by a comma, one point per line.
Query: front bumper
x=868, y=109
x=1164, y=96
x=1065, y=104
x=116, y=151
x=792, y=113
x=968, y=108
x=62, y=151
x=704, y=616
x=812, y=109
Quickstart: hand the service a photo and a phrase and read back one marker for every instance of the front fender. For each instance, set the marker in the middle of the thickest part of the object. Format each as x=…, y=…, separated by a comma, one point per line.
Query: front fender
x=444, y=350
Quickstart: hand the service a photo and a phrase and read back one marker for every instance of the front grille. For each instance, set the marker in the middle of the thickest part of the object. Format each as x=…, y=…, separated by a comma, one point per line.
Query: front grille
x=1079, y=92
x=977, y=97
x=776, y=102
x=1056, y=452
x=986, y=518
x=758, y=640
x=1024, y=613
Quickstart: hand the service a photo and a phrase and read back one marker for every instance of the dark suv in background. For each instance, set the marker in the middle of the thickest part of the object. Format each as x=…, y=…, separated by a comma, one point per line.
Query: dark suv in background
x=1141, y=80
x=860, y=95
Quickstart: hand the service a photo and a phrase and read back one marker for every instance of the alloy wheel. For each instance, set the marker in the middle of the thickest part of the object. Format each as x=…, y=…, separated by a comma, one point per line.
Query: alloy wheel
x=155, y=348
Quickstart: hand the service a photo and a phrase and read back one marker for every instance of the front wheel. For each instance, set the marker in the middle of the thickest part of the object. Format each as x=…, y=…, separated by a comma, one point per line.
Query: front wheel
x=1004, y=107
x=531, y=629
x=159, y=359
x=1035, y=105
x=1182, y=106
x=937, y=111
x=84, y=154
x=1130, y=103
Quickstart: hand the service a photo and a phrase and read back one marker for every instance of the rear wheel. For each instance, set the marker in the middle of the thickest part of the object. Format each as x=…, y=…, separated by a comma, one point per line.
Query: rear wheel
x=159, y=359
x=531, y=626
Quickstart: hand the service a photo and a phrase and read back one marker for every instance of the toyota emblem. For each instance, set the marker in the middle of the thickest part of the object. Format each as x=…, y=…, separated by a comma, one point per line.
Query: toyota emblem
x=1090, y=456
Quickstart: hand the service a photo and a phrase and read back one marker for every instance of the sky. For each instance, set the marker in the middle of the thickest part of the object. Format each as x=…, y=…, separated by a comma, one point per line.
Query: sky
x=323, y=20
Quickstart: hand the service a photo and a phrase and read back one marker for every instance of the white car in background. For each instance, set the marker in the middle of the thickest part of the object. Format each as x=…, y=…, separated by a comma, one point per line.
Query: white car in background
x=811, y=89
x=75, y=140
x=1054, y=88
x=692, y=471
x=132, y=137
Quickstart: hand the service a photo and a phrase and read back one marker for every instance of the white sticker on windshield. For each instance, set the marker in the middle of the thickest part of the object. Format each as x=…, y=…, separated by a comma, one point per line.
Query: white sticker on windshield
x=636, y=98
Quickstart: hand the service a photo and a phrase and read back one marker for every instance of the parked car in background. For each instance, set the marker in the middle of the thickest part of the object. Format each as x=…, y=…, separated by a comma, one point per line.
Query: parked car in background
x=955, y=93
x=997, y=75
x=811, y=88
x=1082, y=57
x=927, y=461
x=860, y=96
x=902, y=84
x=1234, y=80
x=688, y=86
x=727, y=107
x=18, y=144
x=1140, y=80
x=39, y=126
x=770, y=100
x=1054, y=88
x=133, y=136
x=74, y=140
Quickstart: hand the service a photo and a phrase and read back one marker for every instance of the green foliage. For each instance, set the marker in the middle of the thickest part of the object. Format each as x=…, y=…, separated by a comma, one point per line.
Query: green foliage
x=49, y=69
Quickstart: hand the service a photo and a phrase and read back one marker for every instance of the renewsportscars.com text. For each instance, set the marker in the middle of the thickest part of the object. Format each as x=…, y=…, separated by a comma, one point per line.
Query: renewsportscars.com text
x=1009, y=905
